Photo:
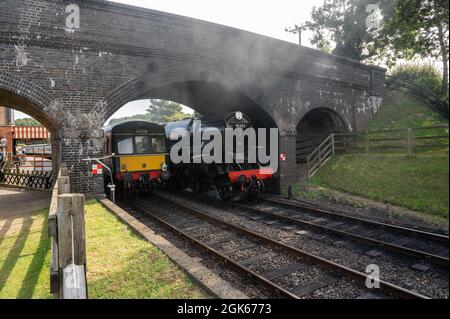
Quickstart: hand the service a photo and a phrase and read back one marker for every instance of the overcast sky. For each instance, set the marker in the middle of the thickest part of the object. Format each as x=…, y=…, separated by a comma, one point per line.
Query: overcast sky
x=266, y=17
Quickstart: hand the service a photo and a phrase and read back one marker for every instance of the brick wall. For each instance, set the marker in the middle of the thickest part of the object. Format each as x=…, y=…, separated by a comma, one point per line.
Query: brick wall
x=72, y=81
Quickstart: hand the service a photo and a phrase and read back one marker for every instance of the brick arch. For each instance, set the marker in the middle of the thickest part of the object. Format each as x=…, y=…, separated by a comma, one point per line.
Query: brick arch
x=339, y=121
x=314, y=127
x=136, y=88
x=25, y=96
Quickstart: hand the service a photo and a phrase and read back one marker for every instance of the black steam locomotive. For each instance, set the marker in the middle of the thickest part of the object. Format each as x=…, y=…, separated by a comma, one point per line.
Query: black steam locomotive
x=230, y=178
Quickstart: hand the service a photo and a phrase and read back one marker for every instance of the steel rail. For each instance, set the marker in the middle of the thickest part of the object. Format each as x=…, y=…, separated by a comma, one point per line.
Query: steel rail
x=361, y=278
x=242, y=269
x=436, y=259
x=315, y=208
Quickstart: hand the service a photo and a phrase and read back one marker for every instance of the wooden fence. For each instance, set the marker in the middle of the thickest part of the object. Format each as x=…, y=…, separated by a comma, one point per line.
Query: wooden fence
x=308, y=143
x=66, y=229
x=321, y=155
x=410, y=140
x=26, y=179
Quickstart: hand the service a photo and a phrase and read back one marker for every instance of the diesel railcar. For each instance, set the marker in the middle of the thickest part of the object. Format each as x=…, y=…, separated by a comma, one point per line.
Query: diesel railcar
x=230, y=179
x=139, y=156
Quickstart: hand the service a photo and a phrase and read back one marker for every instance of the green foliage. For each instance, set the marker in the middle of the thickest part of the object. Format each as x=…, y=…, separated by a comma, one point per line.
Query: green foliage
x=165, y=111
x=27, y=122
x=416, y=28
x=159, y=111
x=409, y=29
x=425, y=75
x=342, y=22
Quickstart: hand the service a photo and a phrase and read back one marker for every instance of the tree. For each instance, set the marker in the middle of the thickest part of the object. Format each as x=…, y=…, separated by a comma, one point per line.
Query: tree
x=159, y=111
x=342, y=23
x=416, y=28
x=408, y=29
x=145, y=117
x=27, y=122
x=165, y=111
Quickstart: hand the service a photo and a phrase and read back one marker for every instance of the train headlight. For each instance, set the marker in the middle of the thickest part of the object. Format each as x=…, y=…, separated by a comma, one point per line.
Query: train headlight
x=164, y=167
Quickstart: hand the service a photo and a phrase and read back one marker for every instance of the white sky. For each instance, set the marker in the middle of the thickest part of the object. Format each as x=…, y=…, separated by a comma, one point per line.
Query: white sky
x=266, y=17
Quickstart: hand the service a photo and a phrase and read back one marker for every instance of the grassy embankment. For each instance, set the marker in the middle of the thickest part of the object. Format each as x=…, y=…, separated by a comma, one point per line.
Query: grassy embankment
x=418, y=183
x=120, y=263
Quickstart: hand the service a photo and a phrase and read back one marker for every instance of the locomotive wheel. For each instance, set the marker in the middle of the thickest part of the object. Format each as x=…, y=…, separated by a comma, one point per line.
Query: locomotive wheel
x=223, y=188
x=198, y=186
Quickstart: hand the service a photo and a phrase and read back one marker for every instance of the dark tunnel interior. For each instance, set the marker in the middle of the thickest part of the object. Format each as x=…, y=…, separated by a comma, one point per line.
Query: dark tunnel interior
x=212, y=100
x=314, y=128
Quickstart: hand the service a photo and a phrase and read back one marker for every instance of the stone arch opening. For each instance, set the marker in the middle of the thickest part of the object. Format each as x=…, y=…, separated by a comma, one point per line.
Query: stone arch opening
x=25, y=102
x=207, y=98
x=211, y=100
x=314, y=128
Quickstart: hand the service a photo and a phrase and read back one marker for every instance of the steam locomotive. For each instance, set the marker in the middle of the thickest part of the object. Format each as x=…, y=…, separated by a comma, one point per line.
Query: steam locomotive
x=231, y=179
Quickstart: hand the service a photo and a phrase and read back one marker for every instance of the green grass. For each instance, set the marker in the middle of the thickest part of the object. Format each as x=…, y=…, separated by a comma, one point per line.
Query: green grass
x=419, y=183
x=120, y=264
x=123, y=265
x=25, y=258
x=401, y=110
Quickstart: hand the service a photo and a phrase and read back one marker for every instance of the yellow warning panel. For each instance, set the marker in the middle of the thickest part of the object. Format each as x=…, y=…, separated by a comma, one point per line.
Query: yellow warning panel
x=141, y=163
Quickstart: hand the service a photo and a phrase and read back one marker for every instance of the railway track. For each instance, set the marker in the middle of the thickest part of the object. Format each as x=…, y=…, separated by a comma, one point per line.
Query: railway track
x=287, y=270
x=427, y=246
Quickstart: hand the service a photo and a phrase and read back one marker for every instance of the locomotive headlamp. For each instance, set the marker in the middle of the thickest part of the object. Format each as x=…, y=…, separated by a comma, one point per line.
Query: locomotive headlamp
x=164, y=167
x=239, y=116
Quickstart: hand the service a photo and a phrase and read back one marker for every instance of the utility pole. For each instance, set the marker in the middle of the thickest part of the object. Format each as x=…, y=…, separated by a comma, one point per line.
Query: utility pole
x=297, y=30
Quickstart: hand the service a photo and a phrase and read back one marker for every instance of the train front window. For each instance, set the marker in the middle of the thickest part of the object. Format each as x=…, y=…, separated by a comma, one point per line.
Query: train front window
x=150, y=144
x=159, y=144
x=143, y=144
x=125, y=145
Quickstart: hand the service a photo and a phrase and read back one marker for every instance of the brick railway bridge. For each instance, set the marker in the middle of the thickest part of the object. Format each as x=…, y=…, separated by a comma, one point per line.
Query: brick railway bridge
x=72, y=75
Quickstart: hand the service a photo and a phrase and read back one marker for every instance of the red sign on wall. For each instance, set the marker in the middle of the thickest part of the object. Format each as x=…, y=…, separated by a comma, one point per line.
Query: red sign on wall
x=97, y=169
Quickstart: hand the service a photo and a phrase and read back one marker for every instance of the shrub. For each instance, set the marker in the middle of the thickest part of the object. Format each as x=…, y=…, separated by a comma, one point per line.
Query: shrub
x=424, y=75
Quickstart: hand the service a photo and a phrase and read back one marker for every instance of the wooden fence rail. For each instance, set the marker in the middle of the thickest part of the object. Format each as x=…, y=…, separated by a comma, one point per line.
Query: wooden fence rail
x=321, y=155
x=66, y=229
x=412, y=140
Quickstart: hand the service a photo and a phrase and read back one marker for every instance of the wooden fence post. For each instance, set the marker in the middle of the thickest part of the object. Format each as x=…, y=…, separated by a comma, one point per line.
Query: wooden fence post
x=71, y=246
